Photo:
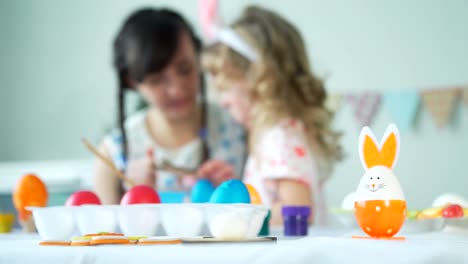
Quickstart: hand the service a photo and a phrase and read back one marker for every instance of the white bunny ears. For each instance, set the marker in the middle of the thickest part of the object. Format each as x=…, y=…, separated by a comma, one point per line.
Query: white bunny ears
x=215, y=32
x=385, y=154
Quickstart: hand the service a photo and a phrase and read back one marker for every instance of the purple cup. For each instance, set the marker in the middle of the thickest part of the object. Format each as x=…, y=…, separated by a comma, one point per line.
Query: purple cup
x=295, y=220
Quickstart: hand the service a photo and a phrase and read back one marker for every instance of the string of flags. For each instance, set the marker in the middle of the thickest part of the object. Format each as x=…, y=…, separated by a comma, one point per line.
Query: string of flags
x=402, y=105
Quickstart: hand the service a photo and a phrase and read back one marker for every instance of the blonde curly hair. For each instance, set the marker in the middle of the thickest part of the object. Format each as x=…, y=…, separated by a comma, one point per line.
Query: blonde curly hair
x=282, y=85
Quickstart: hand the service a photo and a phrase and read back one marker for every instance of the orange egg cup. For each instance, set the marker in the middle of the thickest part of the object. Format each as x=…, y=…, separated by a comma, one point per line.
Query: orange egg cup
x=380, y=218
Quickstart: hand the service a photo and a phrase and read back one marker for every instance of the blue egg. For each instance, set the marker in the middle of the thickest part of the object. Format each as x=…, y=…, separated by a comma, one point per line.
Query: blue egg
x=231, y=191
x=202, y=191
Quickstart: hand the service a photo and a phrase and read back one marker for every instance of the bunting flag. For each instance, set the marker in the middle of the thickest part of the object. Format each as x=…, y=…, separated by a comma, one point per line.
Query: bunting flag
x=402, y=106
x=440, y=104
x=333, y=102
x=365, y=106
x=464, y=92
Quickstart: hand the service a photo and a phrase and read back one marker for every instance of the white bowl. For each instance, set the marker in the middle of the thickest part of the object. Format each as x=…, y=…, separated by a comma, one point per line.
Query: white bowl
x=461, y=222
x=256, y=222
x=182, y=220
x=54, y=223
x=235, y=221
x=96, y=218
x=139, y=219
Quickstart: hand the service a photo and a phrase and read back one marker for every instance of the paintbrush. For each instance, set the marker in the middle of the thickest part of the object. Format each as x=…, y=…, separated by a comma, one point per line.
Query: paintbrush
x=108, y=162
x=168, y=166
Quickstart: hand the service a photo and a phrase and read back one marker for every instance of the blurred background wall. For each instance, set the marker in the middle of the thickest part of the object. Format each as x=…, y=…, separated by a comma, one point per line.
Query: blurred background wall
x=57, y=84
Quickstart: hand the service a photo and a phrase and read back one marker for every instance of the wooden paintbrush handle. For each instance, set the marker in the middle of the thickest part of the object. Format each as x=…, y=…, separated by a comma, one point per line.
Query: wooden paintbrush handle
x=108, y=162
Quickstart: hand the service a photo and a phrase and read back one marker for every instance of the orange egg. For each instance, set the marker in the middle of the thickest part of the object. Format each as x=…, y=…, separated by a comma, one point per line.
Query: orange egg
x=254, y=195
x=29, y=191
x=380, y=218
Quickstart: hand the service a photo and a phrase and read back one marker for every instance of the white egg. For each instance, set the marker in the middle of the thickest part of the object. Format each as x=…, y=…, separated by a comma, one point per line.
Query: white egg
x=348, y=201
x=450, y=198
x=230, y=225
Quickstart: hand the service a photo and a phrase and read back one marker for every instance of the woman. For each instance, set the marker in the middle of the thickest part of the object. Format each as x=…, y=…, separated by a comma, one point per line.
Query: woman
x=156, y=54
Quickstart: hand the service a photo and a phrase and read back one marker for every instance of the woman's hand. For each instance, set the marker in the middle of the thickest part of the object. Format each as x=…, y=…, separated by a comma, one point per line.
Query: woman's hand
x=216, y=171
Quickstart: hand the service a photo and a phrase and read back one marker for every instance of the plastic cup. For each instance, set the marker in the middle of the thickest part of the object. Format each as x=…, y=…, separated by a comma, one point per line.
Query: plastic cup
x=295, y=220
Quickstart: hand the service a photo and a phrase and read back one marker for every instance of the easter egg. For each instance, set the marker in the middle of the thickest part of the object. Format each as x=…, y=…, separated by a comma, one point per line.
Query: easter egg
x=379, y=218
x=231, y=191
x=82, y=197
x=380, y=212
x=202, y=191
x=254, y=195
x=140, y=194
x=453, y=211
x=380, y=205
x=29, y=191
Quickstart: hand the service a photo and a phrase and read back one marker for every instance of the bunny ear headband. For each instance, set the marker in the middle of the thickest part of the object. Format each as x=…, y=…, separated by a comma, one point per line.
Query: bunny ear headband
x=214, y=32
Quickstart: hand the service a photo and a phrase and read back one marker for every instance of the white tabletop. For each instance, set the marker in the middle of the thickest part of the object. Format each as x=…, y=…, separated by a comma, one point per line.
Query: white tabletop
x=321, y=246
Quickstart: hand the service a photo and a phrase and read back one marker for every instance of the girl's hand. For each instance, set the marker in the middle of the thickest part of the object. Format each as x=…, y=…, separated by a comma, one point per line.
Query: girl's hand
x=216, y=171
x=289, y=192
x=142, y=171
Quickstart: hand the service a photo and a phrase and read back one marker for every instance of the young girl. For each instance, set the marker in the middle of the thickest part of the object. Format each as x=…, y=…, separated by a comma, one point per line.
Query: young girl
x=156, y=54
x=264, y=78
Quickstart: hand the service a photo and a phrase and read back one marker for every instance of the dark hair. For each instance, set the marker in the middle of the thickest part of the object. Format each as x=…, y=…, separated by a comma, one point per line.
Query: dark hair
x=145, y=44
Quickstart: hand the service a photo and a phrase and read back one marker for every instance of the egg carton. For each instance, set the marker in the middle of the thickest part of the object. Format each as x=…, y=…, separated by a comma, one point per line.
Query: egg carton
x=227, y=221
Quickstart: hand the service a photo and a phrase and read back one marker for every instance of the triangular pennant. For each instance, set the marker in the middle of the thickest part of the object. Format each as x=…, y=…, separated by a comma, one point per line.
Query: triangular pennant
x=365, y=106
x=402, y=106
x=440, y=104
x=465, y=95
x=333, y=102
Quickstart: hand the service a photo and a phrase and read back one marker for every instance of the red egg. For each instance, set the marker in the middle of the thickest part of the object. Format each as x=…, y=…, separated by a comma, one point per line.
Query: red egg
x=82, y=197
x=140, y=194
x=453, y=211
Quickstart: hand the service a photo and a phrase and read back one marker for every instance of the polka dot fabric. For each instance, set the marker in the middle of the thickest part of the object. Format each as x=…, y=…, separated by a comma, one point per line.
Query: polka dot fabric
x=282, y=152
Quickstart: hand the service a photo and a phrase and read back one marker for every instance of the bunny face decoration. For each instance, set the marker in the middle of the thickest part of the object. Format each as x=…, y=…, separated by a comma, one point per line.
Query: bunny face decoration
x=380, y=206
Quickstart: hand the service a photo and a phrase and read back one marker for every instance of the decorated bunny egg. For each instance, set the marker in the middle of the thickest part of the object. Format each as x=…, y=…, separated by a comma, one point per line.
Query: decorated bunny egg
x=380, y=206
